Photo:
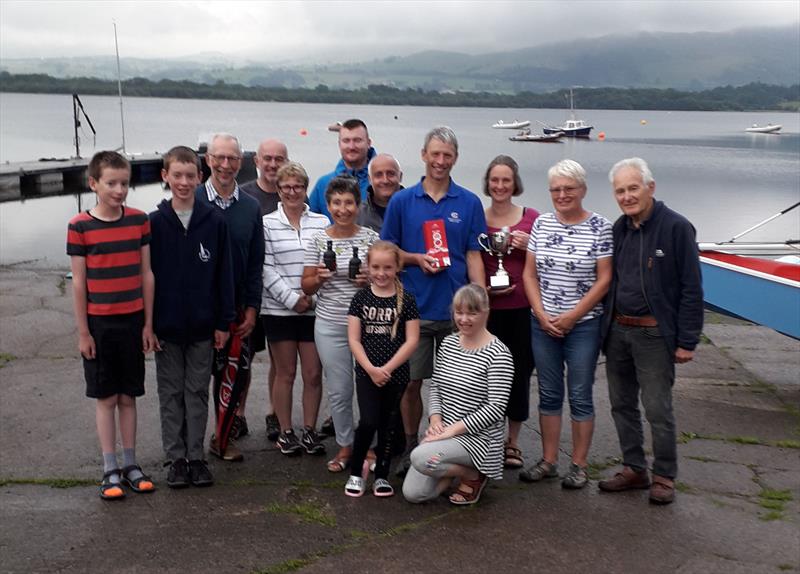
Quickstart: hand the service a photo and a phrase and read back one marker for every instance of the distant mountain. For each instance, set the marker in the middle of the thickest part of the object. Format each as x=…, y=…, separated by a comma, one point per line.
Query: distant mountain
x=694, y=62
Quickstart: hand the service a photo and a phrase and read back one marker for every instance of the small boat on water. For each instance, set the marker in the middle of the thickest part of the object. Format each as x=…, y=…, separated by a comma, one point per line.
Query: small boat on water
x=767, y=129
x=515, y=125
x=528, y=136
x=335, y=127
x=572, y=128
x=740, y=279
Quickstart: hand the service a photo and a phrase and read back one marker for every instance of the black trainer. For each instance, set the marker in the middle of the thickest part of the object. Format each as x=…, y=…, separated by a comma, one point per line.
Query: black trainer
x=273, y=427
x=178, y=474
x=289, y=444
x=311, y=442
x=327, y=429
x=239, y=427
x=199, y=475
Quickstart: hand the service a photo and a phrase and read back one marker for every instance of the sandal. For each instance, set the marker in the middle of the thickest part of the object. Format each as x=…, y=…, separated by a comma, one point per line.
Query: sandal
x=462, y=498
x=513, y=457
x=355, y=486
x=381, y=488
x=111, y=490
x=337, y=464
x=143, y=484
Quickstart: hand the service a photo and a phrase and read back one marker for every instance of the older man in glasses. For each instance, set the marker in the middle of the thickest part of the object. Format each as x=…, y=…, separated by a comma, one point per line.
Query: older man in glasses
x=243, y=216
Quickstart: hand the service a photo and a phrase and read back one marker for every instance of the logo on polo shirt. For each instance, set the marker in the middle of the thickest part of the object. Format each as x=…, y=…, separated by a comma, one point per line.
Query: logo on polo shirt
x=204, y=254
x=454, y=217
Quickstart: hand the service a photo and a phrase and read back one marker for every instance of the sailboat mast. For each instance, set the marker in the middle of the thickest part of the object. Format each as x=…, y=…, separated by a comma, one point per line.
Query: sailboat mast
x=119, y=89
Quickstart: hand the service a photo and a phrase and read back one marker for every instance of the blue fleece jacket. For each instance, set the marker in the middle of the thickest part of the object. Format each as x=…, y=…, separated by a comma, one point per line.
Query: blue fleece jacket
x=669, y=265
x=193, y=272
x=316, y=201
x=246, y=231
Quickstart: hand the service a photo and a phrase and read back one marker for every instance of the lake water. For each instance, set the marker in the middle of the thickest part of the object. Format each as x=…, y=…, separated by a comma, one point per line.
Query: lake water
x=706, y=167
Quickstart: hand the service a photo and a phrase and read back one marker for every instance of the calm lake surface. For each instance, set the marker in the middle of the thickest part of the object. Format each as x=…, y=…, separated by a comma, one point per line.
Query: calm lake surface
x=706, y=167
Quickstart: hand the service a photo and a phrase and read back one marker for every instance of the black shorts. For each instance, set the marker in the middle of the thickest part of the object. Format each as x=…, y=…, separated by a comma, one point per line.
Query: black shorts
x=118, y=366
x=298, y=328
x=257, y=339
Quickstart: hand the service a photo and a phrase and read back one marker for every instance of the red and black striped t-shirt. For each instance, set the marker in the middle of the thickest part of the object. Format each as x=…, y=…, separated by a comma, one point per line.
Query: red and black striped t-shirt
x=113, y=251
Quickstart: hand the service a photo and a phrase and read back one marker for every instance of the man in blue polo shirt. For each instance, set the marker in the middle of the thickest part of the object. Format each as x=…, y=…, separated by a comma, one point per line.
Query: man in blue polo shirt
x=436, y=196
x=357, y=151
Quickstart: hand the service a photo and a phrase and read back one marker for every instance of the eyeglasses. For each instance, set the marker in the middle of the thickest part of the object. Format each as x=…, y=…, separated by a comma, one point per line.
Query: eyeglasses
x=224, y=158
x=292, y=188
x=566, y=189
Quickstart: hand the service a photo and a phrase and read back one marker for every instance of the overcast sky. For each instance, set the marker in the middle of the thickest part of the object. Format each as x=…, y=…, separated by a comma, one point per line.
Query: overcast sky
x=271, y=32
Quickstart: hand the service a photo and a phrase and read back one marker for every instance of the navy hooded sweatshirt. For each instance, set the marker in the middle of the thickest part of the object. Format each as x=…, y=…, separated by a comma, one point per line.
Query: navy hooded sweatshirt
x=194, y=274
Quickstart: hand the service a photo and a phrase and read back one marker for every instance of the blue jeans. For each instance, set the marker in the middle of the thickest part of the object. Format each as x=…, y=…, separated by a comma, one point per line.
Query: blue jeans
x=638, y=360
x=579, y=351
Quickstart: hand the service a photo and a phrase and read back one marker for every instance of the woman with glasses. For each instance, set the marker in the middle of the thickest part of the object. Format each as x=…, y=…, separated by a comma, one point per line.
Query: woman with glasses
x=567, y=273
x=326, y=273
x=288, y=313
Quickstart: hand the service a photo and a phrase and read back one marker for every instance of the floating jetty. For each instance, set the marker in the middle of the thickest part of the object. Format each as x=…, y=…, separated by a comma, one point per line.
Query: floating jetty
x=45, y=177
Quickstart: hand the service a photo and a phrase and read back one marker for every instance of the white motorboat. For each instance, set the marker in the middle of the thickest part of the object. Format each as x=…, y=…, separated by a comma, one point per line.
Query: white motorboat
x=515, y=125
x=767, y=129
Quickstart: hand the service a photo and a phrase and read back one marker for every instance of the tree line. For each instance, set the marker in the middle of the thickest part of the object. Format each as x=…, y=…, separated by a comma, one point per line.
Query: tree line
x=753, y=96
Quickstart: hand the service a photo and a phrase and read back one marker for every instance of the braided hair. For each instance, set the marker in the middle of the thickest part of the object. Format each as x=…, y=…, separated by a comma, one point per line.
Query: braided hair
x=382, y=245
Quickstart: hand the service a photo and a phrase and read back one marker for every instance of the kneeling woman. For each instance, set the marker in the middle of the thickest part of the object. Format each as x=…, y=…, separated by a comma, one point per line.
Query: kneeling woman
x=467, y=403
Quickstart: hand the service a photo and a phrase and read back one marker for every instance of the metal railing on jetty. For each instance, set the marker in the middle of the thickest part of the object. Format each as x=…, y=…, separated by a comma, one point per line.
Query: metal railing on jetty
x=45, y=177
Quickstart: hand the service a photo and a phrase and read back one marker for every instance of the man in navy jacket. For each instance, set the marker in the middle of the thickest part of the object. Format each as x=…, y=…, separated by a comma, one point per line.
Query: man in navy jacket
x=653, y=318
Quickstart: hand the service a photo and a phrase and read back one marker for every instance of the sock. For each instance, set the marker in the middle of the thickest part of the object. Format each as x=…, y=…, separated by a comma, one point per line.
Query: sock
x=109, y=464
x=129, y=459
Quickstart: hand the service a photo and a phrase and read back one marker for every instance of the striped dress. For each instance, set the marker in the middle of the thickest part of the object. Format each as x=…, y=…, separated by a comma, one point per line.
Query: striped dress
x=472, y=385
x=284, y=251
x=113, y=252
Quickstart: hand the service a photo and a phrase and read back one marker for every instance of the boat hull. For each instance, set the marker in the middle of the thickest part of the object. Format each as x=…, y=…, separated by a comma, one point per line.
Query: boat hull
x=762, y=291
x=764, y=129
x=511, y=126
x=570, y=133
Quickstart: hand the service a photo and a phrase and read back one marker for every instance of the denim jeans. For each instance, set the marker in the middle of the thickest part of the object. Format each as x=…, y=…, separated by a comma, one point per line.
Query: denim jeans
x=638, y=360
x=578, y=350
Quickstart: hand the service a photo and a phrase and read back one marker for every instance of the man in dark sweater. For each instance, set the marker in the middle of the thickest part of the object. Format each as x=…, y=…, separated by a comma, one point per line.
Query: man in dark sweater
x=384, y=180
x=269, y=157
x=653, y=318
x=243, y=216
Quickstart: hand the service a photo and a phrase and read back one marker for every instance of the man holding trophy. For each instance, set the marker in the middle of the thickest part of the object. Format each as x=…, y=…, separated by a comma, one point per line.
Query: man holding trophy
x=436, y=224
x=505, y=244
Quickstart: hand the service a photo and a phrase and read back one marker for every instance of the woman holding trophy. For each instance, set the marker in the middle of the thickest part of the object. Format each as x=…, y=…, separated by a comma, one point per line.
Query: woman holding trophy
x=505, y=244
x=567, y=273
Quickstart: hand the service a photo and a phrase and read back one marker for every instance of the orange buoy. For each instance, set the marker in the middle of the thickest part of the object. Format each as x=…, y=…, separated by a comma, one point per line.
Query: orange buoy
x=601, y=136
x=304, y=132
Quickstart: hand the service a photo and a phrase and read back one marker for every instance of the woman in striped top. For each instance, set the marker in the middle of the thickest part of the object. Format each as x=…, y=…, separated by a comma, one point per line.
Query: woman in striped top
x=567, y=273
x=468, y=397
x=335, y=290
x=288, y=313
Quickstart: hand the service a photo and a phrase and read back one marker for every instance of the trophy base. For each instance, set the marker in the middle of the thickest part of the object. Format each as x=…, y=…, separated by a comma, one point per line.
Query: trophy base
x=499, y=282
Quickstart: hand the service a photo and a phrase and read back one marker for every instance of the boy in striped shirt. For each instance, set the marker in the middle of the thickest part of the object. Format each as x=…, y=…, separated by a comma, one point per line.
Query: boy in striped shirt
x=113, y=300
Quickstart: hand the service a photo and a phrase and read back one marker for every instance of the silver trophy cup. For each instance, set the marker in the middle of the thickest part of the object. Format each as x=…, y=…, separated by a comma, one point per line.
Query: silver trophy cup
x=497, y=244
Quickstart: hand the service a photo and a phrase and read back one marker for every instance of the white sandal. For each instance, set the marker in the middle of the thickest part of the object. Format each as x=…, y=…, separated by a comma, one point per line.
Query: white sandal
x=381, y=488
x=355, y=486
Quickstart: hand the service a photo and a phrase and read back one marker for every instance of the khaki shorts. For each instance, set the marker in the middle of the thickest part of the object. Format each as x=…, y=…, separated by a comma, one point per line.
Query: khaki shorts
x=431, y=334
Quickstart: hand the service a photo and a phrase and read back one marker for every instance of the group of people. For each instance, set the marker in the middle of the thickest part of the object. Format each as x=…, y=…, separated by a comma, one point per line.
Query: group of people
x=346, y=278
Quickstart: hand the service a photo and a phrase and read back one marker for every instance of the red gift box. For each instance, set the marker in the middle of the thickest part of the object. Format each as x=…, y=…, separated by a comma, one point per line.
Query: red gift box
x=436, y=242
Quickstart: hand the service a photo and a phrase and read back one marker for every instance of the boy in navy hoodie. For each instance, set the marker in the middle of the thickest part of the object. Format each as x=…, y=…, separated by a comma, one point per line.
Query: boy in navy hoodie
x=194, y=304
